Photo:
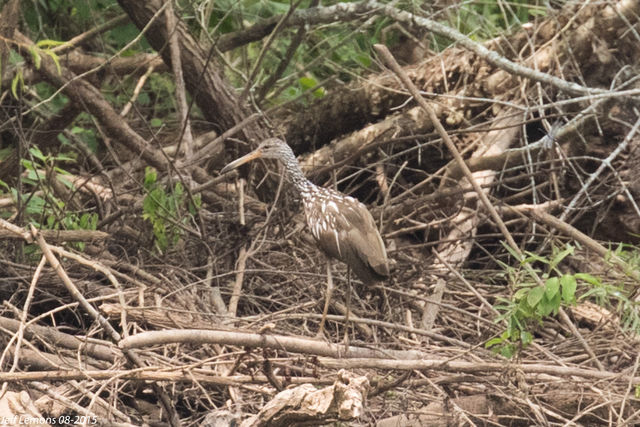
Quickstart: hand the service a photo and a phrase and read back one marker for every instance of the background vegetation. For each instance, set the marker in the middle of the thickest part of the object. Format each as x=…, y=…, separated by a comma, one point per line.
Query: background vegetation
x=116, y=118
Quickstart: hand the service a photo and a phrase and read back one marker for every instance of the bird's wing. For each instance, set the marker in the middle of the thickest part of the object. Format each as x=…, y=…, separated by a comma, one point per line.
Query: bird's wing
x=346, y=230
x=365, y=238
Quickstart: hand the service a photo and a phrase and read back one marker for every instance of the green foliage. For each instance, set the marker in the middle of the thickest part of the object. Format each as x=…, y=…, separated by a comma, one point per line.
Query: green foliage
x=163, y=209
x=63, y=19
x=85, y=134
x=43, y=47
x=326, y=51
x=488, y=18
x=17, y=83
x=42, y=208
x=531, y=303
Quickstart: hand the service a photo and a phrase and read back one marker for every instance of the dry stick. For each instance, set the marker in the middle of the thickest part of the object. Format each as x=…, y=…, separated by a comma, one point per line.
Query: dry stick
x=565, y=319
x=104, y=323
x=626, y=394
x=253, y=340
x=177, y=375
x=391, y=62
x=202, y=155
x=237, y=286
x=391, y=326
x=104, y=404
x=81, y=38
x=490, y=56
x=431, y=309
x=60, y=235
x=579, y=236
x=46, y=389
x=102, y=269
x=265, y=47
x=366, y=363
x=23, y=323
x=605, y=163
x=469, y=286
x=100, y=350
x=136, y=91
x=176, y=64
x=487, y=304
x=386, y=55
x=455, y=408
x=215, y=295
x=473, y=367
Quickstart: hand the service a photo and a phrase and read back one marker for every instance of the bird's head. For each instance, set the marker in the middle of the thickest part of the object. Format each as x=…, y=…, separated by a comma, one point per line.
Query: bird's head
x=272, y=148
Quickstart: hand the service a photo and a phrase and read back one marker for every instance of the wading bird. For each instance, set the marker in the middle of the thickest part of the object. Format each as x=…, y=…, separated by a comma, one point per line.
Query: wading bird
x=342, y=226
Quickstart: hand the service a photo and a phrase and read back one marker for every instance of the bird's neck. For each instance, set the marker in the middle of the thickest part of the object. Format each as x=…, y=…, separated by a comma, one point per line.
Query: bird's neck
x=302, y=185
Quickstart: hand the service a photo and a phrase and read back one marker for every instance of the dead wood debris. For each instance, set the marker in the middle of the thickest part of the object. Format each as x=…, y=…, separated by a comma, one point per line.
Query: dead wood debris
x=218, y=327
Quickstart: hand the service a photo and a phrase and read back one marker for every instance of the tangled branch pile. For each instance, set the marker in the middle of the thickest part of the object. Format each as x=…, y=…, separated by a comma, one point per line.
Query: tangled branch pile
x=193, y=299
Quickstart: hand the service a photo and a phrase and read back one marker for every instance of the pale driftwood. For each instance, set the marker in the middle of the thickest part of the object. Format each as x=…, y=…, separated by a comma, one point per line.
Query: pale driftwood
x=439, y=413
x=179, y=375
x=407, y=123
x=63, y=235
x=156, y=316
x=476, y=367
x=101, y=350
x=17, y=408
x=343, y=401
x=251, y=340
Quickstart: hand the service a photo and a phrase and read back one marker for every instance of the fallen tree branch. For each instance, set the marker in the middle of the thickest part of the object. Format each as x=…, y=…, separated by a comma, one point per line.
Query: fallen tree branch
x=476, y=367
x=250, y=340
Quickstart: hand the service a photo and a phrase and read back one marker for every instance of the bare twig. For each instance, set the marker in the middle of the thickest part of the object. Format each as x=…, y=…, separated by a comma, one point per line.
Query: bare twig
x=181, y=95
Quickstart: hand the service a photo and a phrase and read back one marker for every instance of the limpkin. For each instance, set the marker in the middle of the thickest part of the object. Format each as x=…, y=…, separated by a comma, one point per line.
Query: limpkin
x=341, y=225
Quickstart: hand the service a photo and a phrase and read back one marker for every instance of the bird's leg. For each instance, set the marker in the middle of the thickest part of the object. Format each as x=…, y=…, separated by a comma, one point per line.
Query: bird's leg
x=327, y=298
x=348, y=304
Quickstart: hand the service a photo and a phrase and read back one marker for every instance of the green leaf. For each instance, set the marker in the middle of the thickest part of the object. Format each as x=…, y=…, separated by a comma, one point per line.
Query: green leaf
x=586, y=277
x=55, y=59
x=526, y=338
x=307, y=82
x=552, y=285
x=512, y=252
x=535, y=295
x=507, y=351
x=520, y=293
x=17, y=80
x=319, y=93
x=569, y=285
x=35, y=152
x=35, y=55
x=15, y=58
x=195, y=204
x=493, y=341
x=364, y=60
x=555, y=303
x=533, y=257
x=150, y=177
x=560, y=256
x=545, y=307
x=155, y=122
x=49, y=43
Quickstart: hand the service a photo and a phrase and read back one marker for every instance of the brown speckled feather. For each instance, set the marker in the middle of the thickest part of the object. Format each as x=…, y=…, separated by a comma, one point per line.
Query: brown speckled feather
x=342, y=226
x=345, y=230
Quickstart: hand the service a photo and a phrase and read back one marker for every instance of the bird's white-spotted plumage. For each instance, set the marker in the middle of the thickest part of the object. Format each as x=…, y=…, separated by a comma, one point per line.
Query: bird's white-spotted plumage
x=342, y=226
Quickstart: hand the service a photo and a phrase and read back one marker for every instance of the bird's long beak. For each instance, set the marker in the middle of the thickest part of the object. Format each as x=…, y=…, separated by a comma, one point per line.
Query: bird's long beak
x=255, y=154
